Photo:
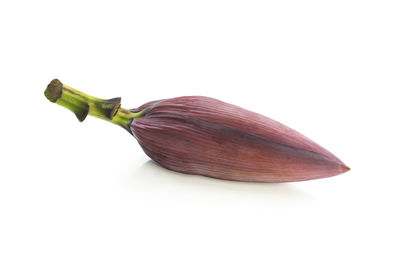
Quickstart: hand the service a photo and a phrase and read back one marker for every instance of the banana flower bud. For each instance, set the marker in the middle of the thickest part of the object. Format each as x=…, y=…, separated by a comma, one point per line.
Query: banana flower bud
x=205, y=136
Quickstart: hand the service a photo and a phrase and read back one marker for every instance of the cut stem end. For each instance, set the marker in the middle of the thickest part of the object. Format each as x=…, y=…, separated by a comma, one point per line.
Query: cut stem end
x=54, y=90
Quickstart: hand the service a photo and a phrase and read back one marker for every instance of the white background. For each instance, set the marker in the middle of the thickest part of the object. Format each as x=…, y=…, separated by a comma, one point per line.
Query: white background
x=84, y=194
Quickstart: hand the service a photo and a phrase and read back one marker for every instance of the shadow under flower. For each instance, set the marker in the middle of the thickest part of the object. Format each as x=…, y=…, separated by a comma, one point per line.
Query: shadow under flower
x=151, y=175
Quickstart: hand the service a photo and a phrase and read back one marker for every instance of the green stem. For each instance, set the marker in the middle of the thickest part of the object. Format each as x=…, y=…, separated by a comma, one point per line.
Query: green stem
x=82, y=104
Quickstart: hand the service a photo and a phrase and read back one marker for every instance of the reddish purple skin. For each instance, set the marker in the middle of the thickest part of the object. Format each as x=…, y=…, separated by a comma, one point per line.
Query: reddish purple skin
x=202, y=135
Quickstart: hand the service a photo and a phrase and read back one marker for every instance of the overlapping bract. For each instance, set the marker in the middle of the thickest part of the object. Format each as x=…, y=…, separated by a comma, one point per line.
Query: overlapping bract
x=202, y=135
